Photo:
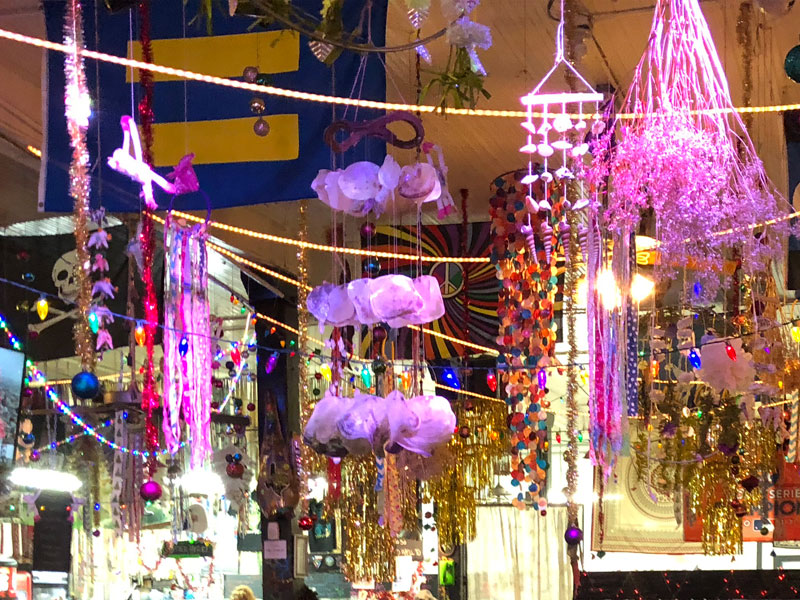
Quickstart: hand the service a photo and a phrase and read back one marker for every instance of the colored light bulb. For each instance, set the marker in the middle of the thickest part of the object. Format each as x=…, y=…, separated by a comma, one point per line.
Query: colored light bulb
x=42, y=308
x=654, y=368
x=796, y=334
x=730, y=351
x=366, y=377
x=183, y=346
x=697, y=289
x=405, y=378
x=558, y=438
x=236, y=356
x=542, y=379
x=451, y=379
x=325, y=370
x=272, y=362
x=694, y=359
x=580, y=436
x=94, y=322
x=139, y=334
x=491, y=381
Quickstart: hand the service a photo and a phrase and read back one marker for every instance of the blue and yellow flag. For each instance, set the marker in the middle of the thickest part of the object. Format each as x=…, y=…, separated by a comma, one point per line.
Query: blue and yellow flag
x=234, y=165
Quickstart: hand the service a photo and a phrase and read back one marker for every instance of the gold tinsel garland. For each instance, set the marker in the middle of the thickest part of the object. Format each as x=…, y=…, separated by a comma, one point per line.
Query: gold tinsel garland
x=712, y=492
x=76, y=101
x=477, y=450
x=369, y=549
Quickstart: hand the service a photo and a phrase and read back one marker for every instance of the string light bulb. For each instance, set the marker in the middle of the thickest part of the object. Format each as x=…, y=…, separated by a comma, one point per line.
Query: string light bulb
x=541, y=378
x=42, y=308
x=451, y=379
x=366, y=377
x=796, y=334
x=139, y=334
x=608, y=290
x=730, y=351
x=325, y=371
x=641, y=287
x=491, y=380
x=94, y=322
x=694, y=359
x=183, y=346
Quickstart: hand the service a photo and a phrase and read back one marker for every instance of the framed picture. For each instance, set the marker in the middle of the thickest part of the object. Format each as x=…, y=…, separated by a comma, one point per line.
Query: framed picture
x=300, y=556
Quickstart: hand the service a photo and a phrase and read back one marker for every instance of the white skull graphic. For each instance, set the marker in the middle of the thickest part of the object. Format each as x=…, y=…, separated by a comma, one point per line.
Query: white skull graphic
x=64, y=276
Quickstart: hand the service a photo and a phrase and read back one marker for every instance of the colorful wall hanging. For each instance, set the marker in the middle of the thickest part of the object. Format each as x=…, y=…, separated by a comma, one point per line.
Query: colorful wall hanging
x=233, y=153
x=187, y=339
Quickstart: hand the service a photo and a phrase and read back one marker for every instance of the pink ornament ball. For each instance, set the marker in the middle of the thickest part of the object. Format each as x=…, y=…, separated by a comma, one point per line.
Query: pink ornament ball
x=150, y=491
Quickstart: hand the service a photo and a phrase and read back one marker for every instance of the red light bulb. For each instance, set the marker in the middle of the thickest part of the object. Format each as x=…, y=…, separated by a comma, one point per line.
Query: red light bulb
x=730, y=351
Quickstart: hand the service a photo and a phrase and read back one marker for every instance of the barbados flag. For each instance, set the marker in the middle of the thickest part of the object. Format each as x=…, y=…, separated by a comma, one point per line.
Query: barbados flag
x=234, y=165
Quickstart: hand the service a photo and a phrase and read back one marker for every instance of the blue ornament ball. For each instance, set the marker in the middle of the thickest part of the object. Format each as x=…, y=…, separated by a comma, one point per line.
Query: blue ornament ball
x=85, y=385
x=792, y=64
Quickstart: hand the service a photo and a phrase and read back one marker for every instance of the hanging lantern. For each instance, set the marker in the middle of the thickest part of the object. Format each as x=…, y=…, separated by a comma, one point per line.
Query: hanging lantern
x=491, y=380
x=42, y=308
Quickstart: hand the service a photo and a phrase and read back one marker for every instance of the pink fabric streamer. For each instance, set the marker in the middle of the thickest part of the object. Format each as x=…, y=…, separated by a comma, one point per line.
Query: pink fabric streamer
x=187, y=378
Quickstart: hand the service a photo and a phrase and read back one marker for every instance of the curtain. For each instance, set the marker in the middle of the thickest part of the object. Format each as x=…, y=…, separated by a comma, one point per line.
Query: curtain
x=519, y=555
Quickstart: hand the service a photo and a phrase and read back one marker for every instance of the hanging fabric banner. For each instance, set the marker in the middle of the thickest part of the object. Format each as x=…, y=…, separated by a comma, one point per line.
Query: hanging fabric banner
x=235, y=165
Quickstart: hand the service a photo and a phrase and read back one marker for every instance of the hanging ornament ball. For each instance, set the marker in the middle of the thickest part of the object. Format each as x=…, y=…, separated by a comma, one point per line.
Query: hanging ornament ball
x=257, y=105
x=28, y=438
x=305, y=522
x=368, y=230
x=573, y=535
x=232, y=373
x=792, y=64
x=150, y=491
x=28, y=277
x=215, y=405
x=96, y=533
x=316, y=391
x=463, y=431
x=235, y=470
x=371, y=267
x=251, y=407
x=378, y=333
x=35, y=456
x=261, y=127
x=317, y=376
x=250, y=74
x=85, y=385
x=23, y=256
x=469, y=405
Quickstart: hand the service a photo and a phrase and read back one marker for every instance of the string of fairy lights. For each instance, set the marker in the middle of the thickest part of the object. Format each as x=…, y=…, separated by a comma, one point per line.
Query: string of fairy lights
x=334, y=100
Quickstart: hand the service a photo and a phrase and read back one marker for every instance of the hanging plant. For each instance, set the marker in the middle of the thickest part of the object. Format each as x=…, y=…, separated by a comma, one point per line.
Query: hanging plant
x=686, y=155
x=458, y=85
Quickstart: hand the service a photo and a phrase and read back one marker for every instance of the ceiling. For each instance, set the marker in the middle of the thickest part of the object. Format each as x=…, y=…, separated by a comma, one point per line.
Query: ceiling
x=476, y=149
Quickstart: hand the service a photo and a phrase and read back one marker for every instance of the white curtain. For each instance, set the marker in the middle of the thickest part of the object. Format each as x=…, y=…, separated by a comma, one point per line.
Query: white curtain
x=519, y=555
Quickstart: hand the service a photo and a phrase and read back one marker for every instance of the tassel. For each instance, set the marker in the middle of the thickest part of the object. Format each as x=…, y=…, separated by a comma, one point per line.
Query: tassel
x=563, y=236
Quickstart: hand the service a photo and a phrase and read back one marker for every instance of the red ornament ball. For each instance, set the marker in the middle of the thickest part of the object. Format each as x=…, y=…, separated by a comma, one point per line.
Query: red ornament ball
x=305, y=523
x=215, y=405
x=96, y=533
x=150, y=491
x=463, y=431
x=235, y=470
x=35, y=456
x=251, y=407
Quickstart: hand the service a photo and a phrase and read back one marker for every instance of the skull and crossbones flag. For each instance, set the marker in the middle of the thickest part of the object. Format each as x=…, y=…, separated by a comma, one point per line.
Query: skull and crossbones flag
x=46, y=263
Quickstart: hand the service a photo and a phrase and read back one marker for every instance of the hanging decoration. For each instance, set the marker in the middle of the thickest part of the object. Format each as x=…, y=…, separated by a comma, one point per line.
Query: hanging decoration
x=147, y=240
x=103, y=289
x=187, y=347
x=77, y=106
x=687, y=157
